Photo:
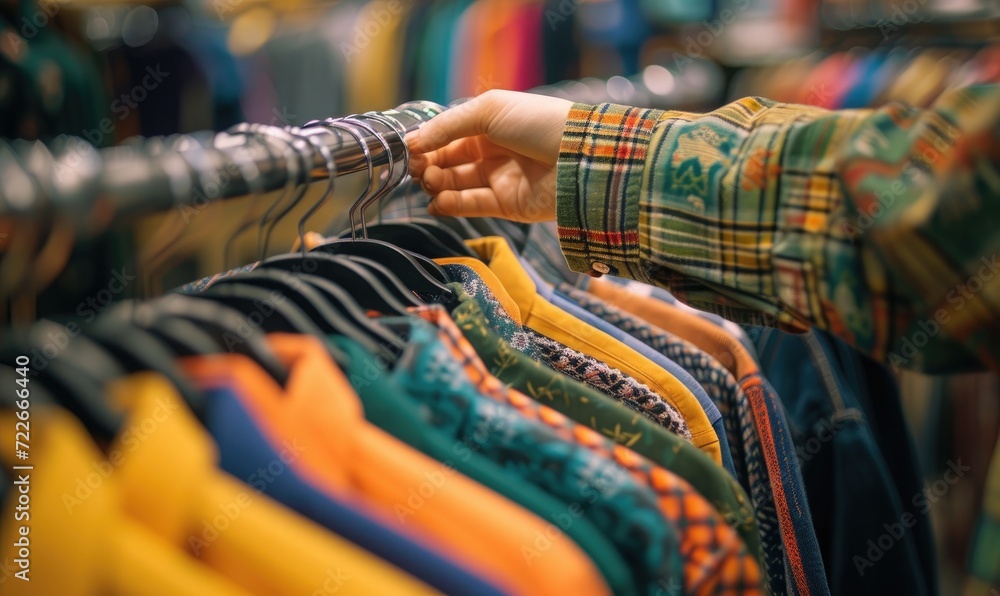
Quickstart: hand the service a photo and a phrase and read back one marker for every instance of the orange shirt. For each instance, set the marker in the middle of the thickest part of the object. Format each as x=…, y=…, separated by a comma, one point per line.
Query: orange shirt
x=344, y=454
x=714, y=340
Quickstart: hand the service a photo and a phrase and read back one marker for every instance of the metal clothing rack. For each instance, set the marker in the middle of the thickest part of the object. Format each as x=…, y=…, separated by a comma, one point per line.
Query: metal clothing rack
x=157, y=174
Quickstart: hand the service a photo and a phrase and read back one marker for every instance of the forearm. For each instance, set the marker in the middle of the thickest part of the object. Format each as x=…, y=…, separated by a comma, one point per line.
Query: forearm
x=796, y=216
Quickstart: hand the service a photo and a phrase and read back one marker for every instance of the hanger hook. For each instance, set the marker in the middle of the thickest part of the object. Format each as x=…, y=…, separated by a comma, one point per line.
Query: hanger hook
x=349, y=128
x=299, y=146
x=253, y=133
x=400, y=133
x=331, y=170
x=364, y=203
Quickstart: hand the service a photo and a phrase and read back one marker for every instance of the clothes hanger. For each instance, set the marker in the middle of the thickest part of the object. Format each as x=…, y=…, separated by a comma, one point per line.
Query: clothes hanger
x=459, y=225
x=389, y=279
x=228, y=328
x=314, y=304
x=419, y=274
x=293, y=166
x=442, y=234
x=281, y=316
x=368, y=290
x=403, y=235
x=71, y=386
x=139, y=351
x=341, y=298
x=183, y=337
x=302, y=148
x=447, y=236
x=83, y=353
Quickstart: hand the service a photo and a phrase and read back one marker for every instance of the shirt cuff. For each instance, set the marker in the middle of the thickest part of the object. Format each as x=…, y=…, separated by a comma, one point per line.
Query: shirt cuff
x=599, y=180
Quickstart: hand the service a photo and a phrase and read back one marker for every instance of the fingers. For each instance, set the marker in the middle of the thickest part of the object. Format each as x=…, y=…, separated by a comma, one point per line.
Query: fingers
x=459, y=152
x=470, y=202
x=469, y=175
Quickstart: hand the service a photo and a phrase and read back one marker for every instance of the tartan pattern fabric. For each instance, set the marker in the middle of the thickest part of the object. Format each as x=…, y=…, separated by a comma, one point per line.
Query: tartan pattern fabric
x=572, y=363
x=876, y=225
x=715, y=560
x=626, y=512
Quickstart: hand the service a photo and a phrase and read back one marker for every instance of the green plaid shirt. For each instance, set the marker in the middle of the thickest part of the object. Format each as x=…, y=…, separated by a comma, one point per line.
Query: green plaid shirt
x=881, y=226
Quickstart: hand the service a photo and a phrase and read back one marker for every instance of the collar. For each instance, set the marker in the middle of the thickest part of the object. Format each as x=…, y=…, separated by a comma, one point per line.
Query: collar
x=492, y=282
x=503, y=262
x=313, y=379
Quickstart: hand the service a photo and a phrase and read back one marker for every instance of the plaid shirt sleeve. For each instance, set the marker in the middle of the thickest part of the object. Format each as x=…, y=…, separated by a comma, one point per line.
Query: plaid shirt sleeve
x=881, y=226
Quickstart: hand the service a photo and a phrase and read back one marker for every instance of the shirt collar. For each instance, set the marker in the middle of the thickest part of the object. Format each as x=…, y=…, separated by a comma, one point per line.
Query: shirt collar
x=503, y=262
x=492, y=282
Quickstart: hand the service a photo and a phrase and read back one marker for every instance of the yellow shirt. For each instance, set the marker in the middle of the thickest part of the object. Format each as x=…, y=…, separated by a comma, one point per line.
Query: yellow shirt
x=80, y=539
x=515, y=289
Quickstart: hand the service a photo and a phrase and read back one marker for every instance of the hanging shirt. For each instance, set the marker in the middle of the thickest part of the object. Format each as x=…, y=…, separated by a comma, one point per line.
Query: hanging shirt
x=852, y=485
x=792, y=559
x=719, y=383
x=715, y=560
x=561, y=301
x=80, y=538
x=272, y=470
x=541, y=316
x=351, y=457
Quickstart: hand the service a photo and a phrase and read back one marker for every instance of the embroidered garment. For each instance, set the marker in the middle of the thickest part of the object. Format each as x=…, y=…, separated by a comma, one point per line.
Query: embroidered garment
x=715, y=560
x=628, y=513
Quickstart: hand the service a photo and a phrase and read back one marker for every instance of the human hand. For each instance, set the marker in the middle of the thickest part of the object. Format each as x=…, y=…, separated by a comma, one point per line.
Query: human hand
x=493, y=156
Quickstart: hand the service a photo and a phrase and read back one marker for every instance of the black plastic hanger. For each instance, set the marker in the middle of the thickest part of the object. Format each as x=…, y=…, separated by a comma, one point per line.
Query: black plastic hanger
x=417, y=272
x=366, y=289
x=227, y=327
x=414, y=239
x=281, y=317
x=83, y=353
x=443, y=233
x=459, y=225
x=140, y=351
x=389, y=280
x=340, y=298
x=313, y=304
x=413, y=272
x=72, y=387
